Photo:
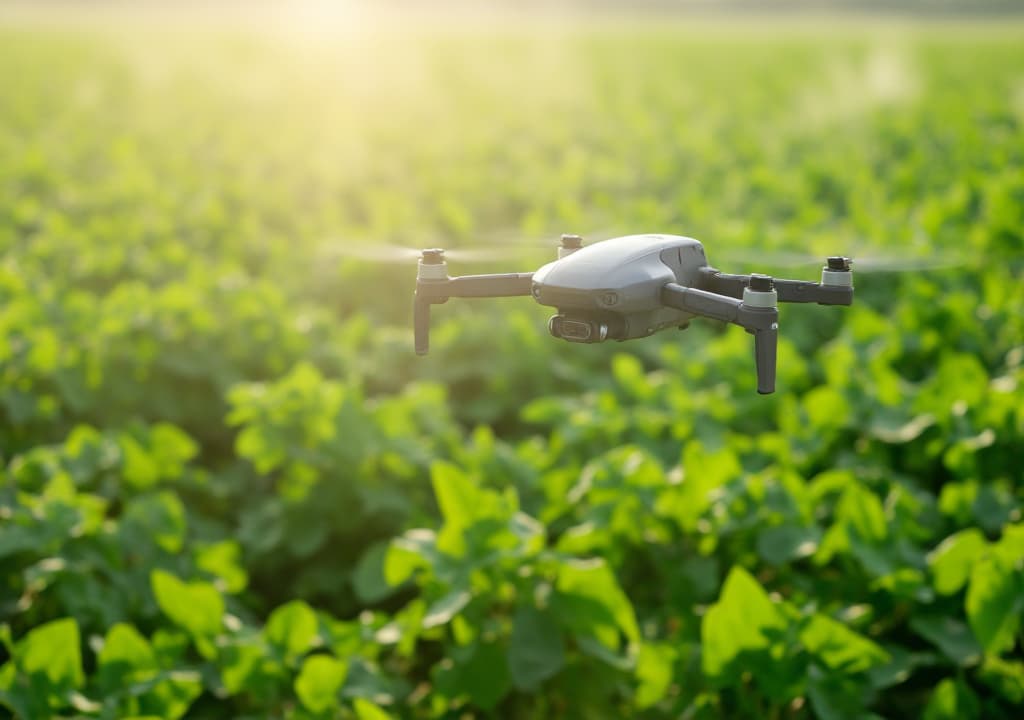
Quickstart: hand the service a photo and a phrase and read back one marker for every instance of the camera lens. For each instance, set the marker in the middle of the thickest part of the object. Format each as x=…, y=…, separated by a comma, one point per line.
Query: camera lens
x=576, y=330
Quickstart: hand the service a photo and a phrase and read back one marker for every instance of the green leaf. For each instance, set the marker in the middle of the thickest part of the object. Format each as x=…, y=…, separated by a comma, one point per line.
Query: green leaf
x=139, y=468
x=239, y=662
x=654, y=672
x=407, y=554
x=170, y=699
x=704, y=472
x=126, y=658
x=780, y=544
x=595, y=583
x=485, y=675
x=952, y=560
x=52, y=651
x=950, y=636
x=1006, y=677
x=741, y=620
x=171, y=448
x=536, y=650
x=194, y=606
x=292, y=628
x=366, y=710
x=840, y=648
x=368, y=577
x=952, y=700
x=995, y=599
x=862, y=512
x=446, y=608
x=223, y=560
x=319, y=681
x=157, y=517
x=456, y=493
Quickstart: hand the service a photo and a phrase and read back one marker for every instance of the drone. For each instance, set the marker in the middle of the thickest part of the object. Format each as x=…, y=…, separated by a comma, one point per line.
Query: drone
x=632, y=287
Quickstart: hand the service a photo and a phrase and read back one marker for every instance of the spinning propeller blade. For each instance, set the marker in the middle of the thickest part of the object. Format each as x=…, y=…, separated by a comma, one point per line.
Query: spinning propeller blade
x=499, y=246
x=862, y=262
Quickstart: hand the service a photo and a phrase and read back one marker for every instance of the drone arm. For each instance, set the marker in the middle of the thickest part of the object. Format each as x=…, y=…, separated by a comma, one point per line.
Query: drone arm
x=804, y=291
x=436, y=291
x=722, y=283
x=506, y=285
x=475, y=286
x=793, y=291
x=762, y=322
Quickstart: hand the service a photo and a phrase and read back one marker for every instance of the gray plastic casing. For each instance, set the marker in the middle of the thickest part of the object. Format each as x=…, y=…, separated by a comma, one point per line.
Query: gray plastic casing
x=623, y=277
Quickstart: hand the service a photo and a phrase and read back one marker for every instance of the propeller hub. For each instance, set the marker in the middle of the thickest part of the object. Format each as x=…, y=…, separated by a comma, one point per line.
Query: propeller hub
x=761, y=283
x=572, y=242
x=432, y=256
x=839, y=264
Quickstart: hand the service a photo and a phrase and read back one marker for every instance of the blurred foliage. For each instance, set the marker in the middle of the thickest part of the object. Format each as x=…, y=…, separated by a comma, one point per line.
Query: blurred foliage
x=228, y=489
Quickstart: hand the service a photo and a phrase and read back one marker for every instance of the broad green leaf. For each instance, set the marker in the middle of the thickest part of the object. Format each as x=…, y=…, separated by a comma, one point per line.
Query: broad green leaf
x=834, y=696
x=741, y=620
x=536, y=650
x=952, y=560
x=156, y=516
x=484, y=675
x=1006, y=677
x=840, y=648
x=594, y=581
x=195, y=606
x=171, y=448
x=862, y=512
x=1010, y=546
x=238, y=662
x=995, y=600
x=952, y=700
x=319, y=681
x=654, y=673
x=52, y=651
x=704, y=472
x=292, y=628
x=446, y=608
x=223, y=560
x=126, y=657
x=950, y=636
x=407, y=554
x=368, y=577
x=139, y=468
x=172, y=697
x=457, y=495
x=366, y=710
x=782, y=543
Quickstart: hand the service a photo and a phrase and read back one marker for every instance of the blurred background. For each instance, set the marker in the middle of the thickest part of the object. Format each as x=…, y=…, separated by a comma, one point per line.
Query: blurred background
x=230, y=489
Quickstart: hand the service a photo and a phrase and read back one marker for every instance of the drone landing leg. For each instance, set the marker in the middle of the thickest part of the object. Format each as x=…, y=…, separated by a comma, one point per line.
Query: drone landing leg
x=762, y=322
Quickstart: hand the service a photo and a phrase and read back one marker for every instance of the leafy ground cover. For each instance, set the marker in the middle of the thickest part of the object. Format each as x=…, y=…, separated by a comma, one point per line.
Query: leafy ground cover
x=228, y=489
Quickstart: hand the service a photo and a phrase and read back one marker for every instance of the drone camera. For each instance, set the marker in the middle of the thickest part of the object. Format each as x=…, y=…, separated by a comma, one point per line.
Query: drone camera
x=573, y=330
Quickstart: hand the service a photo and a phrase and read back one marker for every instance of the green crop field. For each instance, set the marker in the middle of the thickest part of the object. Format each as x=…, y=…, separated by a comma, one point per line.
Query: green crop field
x=229, y=489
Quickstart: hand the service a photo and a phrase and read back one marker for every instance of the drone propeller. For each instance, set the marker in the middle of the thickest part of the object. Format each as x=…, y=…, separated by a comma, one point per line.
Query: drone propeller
x=385, y=253
x=498, y=246
x=867, y=262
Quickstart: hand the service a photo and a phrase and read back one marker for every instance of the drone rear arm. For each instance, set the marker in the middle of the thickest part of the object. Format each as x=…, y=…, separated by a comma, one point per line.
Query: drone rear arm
x=762, y=322
x=474, y=286
x=437, y=291
x=794, y=291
